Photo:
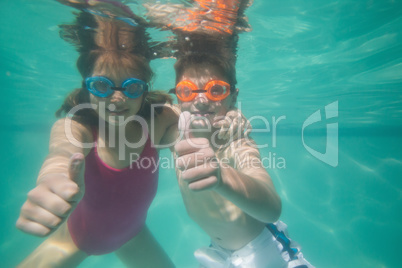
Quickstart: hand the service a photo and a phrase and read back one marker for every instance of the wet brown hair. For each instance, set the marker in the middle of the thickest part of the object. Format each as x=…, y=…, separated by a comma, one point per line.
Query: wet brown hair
x=207, y=50
x=104, y=43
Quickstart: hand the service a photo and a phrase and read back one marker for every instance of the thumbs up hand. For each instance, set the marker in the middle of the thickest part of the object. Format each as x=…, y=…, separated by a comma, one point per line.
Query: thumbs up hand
x=200, y=169
x=53, y=199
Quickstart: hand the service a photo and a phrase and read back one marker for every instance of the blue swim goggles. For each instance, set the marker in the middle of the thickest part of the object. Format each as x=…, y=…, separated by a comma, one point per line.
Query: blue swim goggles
x=103, y=87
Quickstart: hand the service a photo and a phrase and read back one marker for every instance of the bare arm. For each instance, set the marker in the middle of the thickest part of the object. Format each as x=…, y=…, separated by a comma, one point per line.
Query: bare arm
x=60, y=182
x=67, y=137
x=170, y=117
x=247, y=184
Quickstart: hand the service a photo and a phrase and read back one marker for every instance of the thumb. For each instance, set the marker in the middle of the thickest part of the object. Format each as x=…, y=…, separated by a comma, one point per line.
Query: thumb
x=184, y=125
x=76, y=168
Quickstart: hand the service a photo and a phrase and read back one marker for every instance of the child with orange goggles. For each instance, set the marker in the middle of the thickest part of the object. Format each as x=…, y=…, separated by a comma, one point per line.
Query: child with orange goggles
x=215, y=90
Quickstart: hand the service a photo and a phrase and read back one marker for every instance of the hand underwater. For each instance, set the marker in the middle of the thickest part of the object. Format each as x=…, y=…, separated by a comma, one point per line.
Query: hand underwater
x=196, y=159
x=234, y=125
x=53, y=199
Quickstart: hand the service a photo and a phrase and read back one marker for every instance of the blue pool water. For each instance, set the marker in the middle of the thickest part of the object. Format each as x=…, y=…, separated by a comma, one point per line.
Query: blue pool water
x=300, y=57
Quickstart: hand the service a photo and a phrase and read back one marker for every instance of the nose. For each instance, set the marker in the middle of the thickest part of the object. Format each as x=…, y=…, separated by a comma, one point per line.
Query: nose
x=201, y=101
x=117, y=97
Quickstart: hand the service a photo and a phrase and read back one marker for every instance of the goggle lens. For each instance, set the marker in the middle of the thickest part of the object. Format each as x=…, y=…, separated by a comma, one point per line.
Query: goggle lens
x=100, y=86
x=218, y=90
x=135, y=89
x=215, y=90
x=184, y=91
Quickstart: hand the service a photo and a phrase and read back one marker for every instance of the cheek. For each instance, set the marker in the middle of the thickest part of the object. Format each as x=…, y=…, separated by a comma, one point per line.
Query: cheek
x=97, y=100
x=221, y=108
x=101, y=106
x=218, y=108
x=97, y=103
x=93, y=99
x=135, y=104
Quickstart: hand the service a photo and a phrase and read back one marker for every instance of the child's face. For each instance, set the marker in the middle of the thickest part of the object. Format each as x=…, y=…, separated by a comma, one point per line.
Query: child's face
x=201, y=108
x=116, y=107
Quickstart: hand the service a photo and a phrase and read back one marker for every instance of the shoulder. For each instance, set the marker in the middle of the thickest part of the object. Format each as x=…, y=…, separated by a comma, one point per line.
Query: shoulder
x=171, y=110
x=169, y=116
x=166, y=123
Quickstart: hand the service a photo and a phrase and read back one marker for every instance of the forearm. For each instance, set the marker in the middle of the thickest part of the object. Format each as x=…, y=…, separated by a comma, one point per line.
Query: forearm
x=61, y=150
x=54, y=164
x=255, y=195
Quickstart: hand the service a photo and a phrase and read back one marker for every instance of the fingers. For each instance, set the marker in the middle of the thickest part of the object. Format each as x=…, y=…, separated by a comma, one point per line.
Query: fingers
x=42, y=213
x=231, y=132
x=232, y=126
x=184, y=121
x=67, y=190
x=51, y=201
x=200, y=170
x=33, y=228
x=223, y=126
x=196, y=173
x=184, y=125
x=191, y=145
x=229, y=126
x=76, y=166
x=204, y=184
x=60, y=185
x=34, y=213
x=48, y=200
x=198, y=158
x=73, y=191
x=202, y=177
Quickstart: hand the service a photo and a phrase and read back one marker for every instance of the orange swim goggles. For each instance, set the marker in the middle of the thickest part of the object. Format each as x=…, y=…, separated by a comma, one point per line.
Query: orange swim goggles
x=215, y=90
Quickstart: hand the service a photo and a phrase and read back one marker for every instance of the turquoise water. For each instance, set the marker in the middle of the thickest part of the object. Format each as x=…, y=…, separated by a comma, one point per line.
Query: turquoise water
x=301, y=56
